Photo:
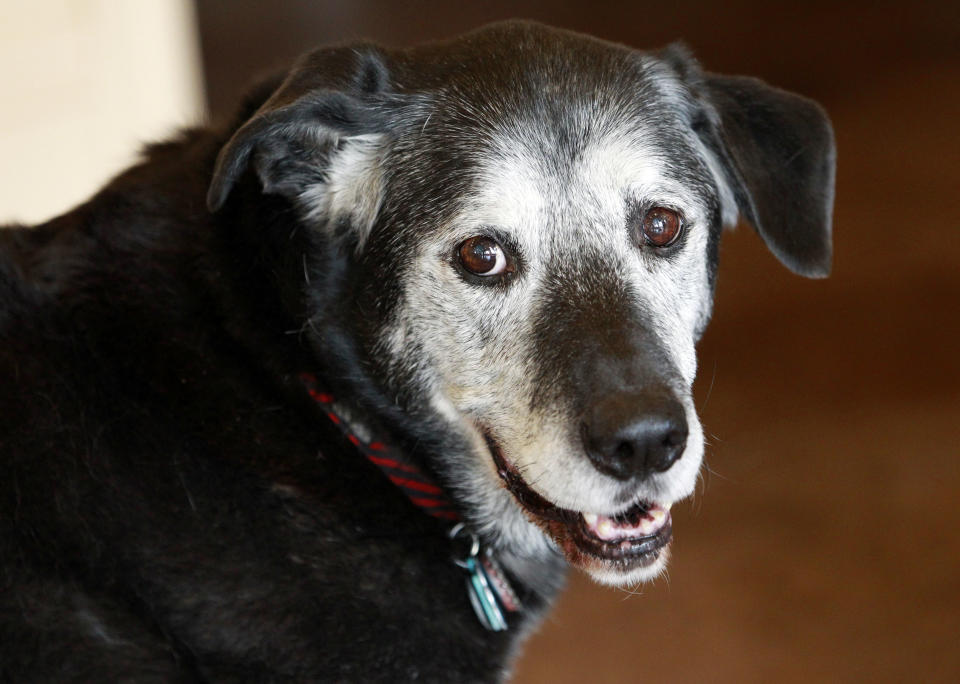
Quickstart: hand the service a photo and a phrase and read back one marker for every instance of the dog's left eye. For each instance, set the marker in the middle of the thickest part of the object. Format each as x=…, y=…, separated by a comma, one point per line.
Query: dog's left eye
x=482, y=256
x=661, y=226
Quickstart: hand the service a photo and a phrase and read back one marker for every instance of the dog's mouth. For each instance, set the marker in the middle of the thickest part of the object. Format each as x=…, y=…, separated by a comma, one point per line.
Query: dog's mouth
x=631, y=540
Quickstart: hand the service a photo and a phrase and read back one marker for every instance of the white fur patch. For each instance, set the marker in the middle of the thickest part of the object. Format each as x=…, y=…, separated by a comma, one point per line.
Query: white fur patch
x=353, y=187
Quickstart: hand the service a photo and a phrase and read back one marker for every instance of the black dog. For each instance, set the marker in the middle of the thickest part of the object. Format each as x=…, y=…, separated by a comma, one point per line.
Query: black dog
x=337, y=393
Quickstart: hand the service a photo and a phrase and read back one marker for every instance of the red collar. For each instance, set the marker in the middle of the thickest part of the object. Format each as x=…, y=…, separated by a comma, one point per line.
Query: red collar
x=419, y=488
x=489, y=590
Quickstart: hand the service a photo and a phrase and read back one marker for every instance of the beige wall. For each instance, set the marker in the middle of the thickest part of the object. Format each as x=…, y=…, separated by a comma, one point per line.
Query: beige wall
x=84, y=83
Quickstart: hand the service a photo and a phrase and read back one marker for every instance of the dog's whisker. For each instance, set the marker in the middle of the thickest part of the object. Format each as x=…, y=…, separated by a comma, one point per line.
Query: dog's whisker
x=425, y=122
x=713, y=377
x=631, y=591
x=306, y=270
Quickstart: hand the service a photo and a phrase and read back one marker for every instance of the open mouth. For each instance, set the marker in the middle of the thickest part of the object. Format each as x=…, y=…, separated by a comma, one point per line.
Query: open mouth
x=632, y=539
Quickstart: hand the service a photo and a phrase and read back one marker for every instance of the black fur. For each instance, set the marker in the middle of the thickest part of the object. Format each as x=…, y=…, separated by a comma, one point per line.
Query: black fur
x=172, y=506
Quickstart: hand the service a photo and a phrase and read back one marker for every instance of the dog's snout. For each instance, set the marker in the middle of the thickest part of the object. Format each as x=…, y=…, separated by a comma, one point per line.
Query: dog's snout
x=635, y=435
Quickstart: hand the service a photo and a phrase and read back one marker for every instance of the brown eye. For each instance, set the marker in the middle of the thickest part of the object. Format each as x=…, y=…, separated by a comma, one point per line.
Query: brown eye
x=482, y=256
x=661, y=226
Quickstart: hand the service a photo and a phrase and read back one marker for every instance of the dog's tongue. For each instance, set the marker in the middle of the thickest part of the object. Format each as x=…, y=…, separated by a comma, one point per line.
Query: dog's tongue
x=641, y=521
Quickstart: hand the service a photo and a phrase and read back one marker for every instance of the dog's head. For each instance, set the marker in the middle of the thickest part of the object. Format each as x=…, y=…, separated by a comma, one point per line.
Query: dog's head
x=530, y=221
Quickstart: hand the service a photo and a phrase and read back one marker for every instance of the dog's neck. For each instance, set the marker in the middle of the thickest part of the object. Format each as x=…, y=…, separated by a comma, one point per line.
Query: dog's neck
x=333, y=353
x=489, y=589
x=422, y=491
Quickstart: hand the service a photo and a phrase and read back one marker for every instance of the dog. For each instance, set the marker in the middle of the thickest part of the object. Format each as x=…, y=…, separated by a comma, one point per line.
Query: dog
x=337, y=392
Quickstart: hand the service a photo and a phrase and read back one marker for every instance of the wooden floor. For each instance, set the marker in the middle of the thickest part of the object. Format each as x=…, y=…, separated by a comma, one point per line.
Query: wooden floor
x=824, y=544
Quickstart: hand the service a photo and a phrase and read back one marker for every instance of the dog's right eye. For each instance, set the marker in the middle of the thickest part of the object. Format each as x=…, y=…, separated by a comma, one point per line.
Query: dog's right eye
x=482, y=256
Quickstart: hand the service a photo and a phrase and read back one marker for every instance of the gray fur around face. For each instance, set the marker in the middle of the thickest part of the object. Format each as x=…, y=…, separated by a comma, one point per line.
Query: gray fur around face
x=554, y=145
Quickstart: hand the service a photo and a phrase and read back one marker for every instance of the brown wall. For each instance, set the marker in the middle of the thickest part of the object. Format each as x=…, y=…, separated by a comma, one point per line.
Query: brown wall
x=824, y=544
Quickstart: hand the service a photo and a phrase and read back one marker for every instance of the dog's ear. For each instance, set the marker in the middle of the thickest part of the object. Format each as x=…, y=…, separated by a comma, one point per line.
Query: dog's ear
x=318, y=140
x=781, y=158
x=778, y=155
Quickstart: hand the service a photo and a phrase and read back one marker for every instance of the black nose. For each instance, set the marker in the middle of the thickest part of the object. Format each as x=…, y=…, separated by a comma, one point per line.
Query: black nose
x=630, y=435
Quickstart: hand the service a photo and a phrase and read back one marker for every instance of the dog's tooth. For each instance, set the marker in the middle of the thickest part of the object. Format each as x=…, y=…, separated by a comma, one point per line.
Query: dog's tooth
x=590, y=518
x=645, y=526
x=605, y=528
x=658, y=515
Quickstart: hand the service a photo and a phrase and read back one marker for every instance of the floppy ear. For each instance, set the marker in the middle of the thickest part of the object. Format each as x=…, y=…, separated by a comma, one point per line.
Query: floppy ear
x=318, y=140
x=780, y=157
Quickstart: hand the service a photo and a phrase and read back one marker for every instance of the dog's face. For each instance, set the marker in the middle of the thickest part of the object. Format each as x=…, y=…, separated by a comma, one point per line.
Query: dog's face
x=532, y=219
x=553, y=313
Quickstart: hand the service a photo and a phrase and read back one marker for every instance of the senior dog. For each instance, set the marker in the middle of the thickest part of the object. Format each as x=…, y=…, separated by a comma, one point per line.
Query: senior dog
x=339, y=391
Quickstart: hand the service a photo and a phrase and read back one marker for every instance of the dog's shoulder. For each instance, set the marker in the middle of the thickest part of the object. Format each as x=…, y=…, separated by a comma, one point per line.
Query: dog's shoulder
x=132, y=238
x=66, y=283
x=108, y=313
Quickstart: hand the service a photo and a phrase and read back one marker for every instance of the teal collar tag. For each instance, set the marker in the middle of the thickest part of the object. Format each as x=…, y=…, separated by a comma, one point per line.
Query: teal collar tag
x=487, y=587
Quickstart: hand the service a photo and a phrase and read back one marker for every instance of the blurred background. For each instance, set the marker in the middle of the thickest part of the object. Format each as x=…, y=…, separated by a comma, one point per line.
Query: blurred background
x=824, y=544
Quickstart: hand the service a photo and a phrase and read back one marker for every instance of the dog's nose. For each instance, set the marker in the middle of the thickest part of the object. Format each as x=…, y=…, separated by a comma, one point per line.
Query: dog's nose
x=630, y=435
